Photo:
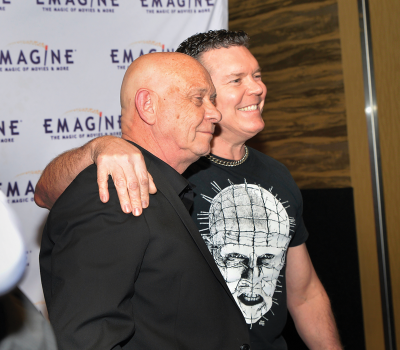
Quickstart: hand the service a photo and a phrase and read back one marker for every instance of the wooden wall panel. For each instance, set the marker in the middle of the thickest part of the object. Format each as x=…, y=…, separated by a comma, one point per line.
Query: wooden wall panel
x=361, y=174
x=385, y=31
x=297, y=44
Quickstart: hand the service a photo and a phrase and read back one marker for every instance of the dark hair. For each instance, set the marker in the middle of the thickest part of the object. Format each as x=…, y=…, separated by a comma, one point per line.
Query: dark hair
x=213, y=39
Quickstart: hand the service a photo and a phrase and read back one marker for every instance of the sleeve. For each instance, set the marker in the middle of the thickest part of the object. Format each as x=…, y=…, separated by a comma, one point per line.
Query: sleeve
x=301, y=234
x=91, y=255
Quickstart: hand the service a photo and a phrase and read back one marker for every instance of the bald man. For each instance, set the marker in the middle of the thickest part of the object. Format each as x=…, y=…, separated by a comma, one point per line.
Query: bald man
x=118, y=281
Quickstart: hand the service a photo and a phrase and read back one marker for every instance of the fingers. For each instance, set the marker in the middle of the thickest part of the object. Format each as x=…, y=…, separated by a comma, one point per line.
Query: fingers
x=126, y=165
x=137, y=183
x=120, y=185
x=102, y=181
x=124, y=196
x=117, y=166
x=152, y=186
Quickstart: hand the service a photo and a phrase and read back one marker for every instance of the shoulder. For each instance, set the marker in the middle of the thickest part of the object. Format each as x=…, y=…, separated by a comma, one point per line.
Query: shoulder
x=262, y=162
x=270, y=163
x=275, y=170
x=81, y=191
x=79, y=209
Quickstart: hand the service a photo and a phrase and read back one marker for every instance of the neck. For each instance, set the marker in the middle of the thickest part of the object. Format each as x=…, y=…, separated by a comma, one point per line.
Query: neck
x=150, y=144
x=227, y=150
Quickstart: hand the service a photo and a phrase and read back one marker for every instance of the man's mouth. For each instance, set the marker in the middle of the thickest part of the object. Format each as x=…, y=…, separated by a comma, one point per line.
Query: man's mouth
x=250, y=299
x=249, y=108
x=207, y=130
x=211, y=132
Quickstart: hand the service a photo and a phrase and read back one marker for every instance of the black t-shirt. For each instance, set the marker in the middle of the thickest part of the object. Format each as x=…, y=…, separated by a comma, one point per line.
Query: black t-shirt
x=249, y=215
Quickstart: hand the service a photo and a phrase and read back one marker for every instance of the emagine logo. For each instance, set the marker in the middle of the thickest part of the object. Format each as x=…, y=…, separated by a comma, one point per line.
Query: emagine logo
x=73, y=6
x=3, y=3
x=30, y=55
x=122, y=58
x=9, y=130
x=177, y=6
x=21, y=189
x=82, y=123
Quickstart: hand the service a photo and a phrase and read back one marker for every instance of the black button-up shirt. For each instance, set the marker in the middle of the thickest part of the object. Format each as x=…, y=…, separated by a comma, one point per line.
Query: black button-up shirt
x=181, y=186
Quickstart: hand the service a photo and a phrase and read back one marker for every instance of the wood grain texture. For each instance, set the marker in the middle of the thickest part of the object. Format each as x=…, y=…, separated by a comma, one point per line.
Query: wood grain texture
x=297, y=45
x=385, y=32
x=361, y=174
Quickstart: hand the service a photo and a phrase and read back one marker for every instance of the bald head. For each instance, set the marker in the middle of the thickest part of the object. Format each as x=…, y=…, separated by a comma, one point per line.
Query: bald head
x=157, y=72
x=166, y=97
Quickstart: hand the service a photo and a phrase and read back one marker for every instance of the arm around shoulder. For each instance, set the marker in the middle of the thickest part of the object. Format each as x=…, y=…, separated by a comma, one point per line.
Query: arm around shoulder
x=113, y=156
x=60, y=172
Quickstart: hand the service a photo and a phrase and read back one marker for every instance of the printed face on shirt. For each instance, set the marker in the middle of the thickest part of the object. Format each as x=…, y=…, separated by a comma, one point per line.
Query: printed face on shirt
x=248, y=238
x=240, y=91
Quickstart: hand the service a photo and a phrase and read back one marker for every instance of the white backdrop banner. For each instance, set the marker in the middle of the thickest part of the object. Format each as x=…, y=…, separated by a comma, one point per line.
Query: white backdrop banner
x=61, y=67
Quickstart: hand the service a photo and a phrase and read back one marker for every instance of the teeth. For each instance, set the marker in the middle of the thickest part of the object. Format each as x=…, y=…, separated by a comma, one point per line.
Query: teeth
x=249, y=108
x=251, y=297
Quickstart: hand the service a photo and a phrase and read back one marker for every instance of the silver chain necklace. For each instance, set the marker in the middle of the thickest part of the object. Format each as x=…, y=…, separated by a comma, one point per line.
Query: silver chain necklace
x=229, y=162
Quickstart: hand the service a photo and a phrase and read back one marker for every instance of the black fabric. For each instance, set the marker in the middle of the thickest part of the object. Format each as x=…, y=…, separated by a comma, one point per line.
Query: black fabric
x=330, y=219
x=187, y=197
x=115, y=281
x=238, y=202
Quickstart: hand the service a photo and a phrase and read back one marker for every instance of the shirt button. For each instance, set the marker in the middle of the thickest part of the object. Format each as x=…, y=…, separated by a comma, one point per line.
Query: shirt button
x=245, y=347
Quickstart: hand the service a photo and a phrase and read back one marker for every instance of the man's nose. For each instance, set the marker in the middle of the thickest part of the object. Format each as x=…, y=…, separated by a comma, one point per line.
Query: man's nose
x=212, y=113
x=256, y=87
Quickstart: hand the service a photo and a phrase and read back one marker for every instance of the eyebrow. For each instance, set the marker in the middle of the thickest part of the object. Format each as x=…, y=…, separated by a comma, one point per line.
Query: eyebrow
x=204, y=91
x=258, y=70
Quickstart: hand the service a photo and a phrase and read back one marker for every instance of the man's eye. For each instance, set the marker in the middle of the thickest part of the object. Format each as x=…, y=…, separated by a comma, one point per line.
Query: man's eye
x=235, y=81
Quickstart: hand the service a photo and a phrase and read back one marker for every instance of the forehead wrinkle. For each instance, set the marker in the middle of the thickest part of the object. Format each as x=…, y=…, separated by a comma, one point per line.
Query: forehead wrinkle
x=197, y=89
x=202, y=90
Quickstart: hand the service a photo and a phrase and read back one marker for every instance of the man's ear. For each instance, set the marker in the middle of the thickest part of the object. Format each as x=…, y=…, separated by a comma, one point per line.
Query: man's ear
x=146, y=105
